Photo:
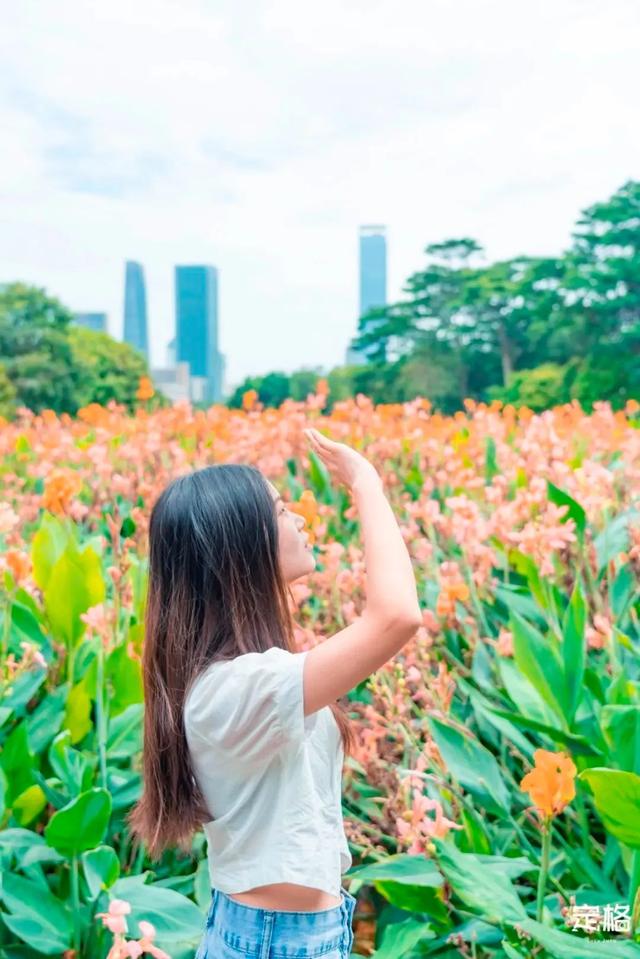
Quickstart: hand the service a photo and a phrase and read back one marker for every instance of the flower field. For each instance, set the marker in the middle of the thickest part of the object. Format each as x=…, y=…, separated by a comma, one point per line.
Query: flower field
x=493, y=801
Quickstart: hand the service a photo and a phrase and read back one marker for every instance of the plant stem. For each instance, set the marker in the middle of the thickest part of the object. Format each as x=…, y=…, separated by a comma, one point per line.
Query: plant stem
x=75, y=904
x=100, y=716
x=544, y=868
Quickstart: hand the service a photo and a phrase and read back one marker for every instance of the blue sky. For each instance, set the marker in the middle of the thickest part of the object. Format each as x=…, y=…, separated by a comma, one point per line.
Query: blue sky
x=257, y=136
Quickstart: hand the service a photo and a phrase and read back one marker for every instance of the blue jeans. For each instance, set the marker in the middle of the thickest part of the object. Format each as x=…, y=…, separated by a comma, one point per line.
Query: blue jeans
x=237, y=931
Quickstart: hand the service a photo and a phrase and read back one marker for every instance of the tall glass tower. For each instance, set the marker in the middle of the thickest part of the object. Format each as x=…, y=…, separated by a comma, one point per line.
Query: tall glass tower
x=135, y=307
x=373, y=276
x=197, y=329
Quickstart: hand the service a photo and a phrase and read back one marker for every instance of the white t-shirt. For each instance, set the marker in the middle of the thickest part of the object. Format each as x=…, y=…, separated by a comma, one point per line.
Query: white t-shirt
x=271, y=776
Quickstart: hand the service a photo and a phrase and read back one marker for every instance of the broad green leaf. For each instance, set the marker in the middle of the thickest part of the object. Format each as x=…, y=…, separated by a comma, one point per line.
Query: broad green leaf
x=617, y=799
x=176, y=918
x=28, y=805
x=573, y=651
x=45, y=721
x=569, y=945
x=75, y=584
x=484, y=890
x=77, y=716
x=400, y=938
x=523, y=694
x=408, y=882
x=621, y=729
x=81, y=824
x=124, y=735
x=17, y=761
x=472, y=765
x=37, y=916
x=46, y=547
x=125, y=674
x=101, y=869
x=537, y=659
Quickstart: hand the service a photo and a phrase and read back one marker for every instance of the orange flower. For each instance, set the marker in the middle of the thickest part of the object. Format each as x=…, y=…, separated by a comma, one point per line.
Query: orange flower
x=322, y=387
x=307, y=507
x=249, y=399
x=145, y=389
x=19, y=563
x=550, y=783
x=59, y=491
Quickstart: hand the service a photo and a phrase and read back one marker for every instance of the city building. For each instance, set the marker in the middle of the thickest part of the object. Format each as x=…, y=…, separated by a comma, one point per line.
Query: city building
x=373, y=277
x=135, y=307
x=196, y=342
x=93, y=321
x=173, y=381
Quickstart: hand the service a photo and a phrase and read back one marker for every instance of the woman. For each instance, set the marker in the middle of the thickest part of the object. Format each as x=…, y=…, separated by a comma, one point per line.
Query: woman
x=242, y=734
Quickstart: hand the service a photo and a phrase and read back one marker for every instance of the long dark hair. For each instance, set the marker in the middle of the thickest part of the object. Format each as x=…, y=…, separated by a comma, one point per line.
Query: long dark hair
x=215, y=591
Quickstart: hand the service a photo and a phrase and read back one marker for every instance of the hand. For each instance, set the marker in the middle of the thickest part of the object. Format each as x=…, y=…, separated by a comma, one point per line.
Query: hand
x=345, y=464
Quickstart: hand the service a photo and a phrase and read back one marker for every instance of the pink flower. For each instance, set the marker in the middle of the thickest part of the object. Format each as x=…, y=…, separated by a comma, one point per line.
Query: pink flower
x=114, y=919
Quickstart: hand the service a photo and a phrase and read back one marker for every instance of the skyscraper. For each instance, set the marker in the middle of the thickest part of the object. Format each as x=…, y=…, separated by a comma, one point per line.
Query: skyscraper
x=93, y=321
x=373, y=276
x=197, y=330
x=135, y=307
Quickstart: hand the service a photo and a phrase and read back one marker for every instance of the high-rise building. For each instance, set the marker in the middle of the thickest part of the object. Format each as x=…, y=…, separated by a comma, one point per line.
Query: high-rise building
x=373, y=276
x=197, y=330
x=135, y=307
x=93, y=321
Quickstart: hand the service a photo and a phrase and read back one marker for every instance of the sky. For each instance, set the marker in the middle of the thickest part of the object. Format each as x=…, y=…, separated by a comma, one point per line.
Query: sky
x=257, y=137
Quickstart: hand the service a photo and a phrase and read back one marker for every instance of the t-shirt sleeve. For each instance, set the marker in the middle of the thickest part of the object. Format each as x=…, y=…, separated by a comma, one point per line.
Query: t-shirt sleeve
x=252, y=706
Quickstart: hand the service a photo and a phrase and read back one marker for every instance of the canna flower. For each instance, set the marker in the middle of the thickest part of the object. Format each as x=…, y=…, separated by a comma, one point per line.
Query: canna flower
x=249, y=399
x=8, y=517
x=550, y=783
x=114, y=919
x=145, y=389
x=60, y=489
x=19, y=563
x=307, y=507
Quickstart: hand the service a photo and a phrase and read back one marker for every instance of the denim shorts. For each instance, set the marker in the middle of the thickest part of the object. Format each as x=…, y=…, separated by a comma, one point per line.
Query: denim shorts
x=237, y=931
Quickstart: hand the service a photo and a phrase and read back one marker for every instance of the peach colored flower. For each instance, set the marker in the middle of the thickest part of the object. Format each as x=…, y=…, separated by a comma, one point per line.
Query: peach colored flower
x=114, y=919
x=145, y=389
x=550, y=783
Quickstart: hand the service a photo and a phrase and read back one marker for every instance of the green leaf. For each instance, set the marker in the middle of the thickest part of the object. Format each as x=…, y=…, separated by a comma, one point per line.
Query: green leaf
x=537, y=659
x=574, y=651
x=318, y=475
x=81, y=824
x=125, y=732
x=45, y=721
x=491, y=467
x=74, y=585
x=125, y=674
x=77, y=716
x=70, y=765
x=483, y=889
x=472, y=765
x=408, y=882
x=46, y=547
x=617, y=799
x=621, y=729
x=575, y=511
x=177, y=919
x=568, y=945
x=101, y=869
x=37, y=916
x=29, y=804
x=400, y=938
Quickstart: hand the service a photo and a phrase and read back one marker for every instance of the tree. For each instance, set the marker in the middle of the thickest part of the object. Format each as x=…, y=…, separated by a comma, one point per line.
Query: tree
x=108, y=369
x=35, y=349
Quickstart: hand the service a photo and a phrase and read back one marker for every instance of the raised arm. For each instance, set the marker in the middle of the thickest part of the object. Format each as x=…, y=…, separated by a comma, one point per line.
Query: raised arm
x=392, y=612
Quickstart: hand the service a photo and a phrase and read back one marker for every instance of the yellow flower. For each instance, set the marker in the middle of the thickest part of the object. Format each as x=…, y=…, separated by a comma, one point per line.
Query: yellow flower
x=550, y=783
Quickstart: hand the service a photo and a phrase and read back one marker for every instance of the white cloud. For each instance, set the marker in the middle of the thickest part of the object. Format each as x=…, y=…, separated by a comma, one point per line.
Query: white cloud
x=257, y=136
